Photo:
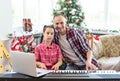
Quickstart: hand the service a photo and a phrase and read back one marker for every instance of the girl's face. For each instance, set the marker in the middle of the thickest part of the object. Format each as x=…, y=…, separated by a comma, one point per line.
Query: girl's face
x=48, y=34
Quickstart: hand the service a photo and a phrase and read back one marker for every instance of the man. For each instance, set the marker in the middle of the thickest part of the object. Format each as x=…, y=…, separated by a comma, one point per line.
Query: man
x=76, y=51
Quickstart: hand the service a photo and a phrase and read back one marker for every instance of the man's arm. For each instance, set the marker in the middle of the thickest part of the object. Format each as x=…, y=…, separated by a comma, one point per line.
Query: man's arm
x=89, y=65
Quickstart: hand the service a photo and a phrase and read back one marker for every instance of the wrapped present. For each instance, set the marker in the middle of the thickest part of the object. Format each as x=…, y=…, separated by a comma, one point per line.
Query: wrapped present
x=15, y=44
x=27, y=25
x=24, y=44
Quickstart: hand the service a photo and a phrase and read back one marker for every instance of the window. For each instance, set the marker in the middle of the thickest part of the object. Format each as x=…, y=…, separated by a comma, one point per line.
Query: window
x=114, y=14
x=102, y=14
x=17, y=13
x=99, y=14
x=39, y=11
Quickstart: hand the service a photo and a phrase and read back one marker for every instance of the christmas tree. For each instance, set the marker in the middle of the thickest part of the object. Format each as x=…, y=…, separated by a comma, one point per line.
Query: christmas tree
x=73, y=13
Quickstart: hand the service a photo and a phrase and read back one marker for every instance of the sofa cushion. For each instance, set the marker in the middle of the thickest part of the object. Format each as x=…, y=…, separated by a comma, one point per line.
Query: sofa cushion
x=97, y=49
x=111, y=63
x=110, y=45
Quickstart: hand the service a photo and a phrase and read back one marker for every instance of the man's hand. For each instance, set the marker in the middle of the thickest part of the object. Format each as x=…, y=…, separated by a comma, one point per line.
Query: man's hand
x=90, y=66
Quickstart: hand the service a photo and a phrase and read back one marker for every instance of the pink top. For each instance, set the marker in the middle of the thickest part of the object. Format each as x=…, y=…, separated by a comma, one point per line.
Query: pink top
x=48, y=55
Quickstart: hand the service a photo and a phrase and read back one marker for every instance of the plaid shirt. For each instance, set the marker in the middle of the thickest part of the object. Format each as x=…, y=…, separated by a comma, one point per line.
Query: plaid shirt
x=48, y=55
x=78, y=42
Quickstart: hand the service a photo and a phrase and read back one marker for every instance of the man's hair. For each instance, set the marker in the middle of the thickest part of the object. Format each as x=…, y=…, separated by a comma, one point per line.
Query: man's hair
x=59, y=15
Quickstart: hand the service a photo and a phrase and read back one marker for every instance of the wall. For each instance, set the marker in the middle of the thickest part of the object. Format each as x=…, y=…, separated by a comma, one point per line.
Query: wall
x=5, y=18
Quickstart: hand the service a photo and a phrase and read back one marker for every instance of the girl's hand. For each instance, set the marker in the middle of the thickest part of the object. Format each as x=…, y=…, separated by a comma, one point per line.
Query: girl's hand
x=41, y=65
x=55, y=67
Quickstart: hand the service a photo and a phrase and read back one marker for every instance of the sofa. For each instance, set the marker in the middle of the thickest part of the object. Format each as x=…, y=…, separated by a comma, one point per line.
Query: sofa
x=107, y=52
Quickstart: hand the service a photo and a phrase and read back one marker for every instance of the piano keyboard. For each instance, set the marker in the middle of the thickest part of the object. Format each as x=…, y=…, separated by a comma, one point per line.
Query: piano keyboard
x=79, y=74
x=83, y=72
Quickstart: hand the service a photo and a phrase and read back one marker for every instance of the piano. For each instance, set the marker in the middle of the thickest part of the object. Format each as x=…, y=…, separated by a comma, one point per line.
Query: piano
x=66, y=75
x=82, y=74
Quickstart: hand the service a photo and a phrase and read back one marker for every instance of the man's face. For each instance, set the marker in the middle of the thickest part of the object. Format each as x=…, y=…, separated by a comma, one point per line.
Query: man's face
x=60, y=24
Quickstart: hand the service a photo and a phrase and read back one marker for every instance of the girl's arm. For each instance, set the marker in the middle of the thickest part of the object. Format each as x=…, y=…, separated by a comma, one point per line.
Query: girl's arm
x=59, y=61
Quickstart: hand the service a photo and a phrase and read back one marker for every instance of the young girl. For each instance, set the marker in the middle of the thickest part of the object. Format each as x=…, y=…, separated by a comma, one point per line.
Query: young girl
x=48, y=54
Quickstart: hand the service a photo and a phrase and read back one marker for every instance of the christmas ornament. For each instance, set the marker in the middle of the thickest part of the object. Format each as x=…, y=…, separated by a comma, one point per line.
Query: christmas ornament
x=77, y=20
x=83, y=17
